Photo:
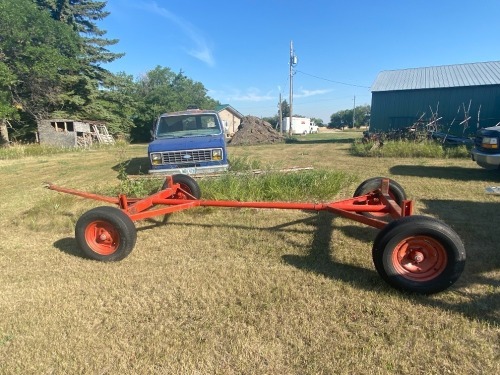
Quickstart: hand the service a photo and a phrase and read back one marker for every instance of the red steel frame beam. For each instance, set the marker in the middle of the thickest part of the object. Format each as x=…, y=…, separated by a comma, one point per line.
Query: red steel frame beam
x=378, y=202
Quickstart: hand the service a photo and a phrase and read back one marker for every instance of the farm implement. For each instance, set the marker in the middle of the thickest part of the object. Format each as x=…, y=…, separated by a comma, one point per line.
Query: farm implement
x=410, y=252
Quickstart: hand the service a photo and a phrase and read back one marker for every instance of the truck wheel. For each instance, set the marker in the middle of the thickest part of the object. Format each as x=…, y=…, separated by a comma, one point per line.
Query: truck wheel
x=396, y=192
x=189, y=187
x=106, y=234
x=418, y=254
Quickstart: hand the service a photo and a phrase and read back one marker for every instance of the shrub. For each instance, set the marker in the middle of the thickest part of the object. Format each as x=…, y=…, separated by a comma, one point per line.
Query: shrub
x=408, y=149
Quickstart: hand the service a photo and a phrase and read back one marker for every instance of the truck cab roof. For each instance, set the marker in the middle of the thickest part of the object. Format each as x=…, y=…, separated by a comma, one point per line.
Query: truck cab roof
x=188, y=112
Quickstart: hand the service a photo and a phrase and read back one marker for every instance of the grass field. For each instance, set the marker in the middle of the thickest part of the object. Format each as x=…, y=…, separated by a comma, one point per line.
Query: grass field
x=241, y=291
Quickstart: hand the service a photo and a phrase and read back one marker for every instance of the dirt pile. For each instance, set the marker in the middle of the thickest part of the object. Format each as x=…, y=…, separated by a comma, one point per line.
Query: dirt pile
x=254, y=131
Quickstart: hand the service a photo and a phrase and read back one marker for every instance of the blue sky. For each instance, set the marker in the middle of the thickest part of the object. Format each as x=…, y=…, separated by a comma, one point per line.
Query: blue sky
x=239, y=50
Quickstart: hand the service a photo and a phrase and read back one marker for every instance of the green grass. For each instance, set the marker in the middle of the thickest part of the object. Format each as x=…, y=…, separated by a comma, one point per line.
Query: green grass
x=405, y=149
x=19, y=151
x=242, y=291
x=274, y=186
x=240, y=164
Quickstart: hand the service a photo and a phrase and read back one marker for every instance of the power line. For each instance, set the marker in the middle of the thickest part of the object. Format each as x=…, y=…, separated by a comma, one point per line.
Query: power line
x=329, y=80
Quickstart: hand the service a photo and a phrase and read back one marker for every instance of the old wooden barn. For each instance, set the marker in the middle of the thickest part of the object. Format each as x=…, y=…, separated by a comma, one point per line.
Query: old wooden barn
x=459, y=98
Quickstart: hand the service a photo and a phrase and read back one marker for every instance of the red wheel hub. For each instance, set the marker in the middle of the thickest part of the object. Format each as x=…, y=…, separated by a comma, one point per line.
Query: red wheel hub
x=419, y=258
x=183, y=193
x=102, y=237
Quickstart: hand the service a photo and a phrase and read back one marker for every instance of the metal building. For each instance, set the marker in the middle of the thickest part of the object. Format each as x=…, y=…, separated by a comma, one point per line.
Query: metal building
x=461, y=97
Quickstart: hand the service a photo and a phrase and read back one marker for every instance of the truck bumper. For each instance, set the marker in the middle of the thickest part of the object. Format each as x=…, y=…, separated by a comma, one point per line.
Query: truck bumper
x=487, y=161
x=191, y=170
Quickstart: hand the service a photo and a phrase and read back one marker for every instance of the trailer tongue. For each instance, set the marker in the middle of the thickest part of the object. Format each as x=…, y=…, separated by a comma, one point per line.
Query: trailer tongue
x=412, y=253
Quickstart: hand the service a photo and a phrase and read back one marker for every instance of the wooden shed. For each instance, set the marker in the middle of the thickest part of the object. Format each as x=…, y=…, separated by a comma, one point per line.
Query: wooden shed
x=72, y=133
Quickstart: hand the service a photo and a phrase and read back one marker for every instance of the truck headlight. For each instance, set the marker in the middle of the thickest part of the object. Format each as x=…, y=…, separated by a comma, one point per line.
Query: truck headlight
x=489, y=142
x=156, y=158
x=217, y=154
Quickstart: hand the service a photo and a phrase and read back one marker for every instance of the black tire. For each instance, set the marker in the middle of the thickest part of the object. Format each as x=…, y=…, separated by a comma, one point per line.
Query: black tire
x=191, y=189
x=396, y=191
x=106, y=234
x=419, y=254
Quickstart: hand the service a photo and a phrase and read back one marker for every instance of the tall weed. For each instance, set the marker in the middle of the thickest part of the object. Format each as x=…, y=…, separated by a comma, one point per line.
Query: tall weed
x=405, y=149
x=317, y=185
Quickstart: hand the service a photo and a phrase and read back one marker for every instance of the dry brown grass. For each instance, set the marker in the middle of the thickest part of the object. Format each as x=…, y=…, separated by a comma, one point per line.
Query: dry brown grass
x=241, y=291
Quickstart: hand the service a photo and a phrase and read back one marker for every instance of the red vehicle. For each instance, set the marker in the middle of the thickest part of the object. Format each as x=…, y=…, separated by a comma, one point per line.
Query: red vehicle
x=412, y=253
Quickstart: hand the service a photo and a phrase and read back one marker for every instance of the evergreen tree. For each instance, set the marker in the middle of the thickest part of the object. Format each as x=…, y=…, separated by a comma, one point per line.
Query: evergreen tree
x=39, y=63
x=81, y=16
x=117, y=105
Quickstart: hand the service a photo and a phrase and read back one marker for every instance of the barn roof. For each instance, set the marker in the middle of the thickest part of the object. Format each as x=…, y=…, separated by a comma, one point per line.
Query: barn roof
x=461, y=75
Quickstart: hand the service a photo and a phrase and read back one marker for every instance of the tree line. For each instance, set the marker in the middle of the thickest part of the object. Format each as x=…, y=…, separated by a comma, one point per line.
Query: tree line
x=285, y=112
x=349, y=118
x=51, y=57
x=51, y=66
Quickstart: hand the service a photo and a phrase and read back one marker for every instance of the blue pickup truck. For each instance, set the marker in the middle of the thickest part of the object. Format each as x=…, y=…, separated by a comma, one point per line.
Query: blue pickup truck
x=486, y=151
x=188, y=142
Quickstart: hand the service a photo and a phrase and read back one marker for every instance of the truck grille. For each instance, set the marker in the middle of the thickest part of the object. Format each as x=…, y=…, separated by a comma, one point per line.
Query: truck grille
x=187, y=156
x=477, y=141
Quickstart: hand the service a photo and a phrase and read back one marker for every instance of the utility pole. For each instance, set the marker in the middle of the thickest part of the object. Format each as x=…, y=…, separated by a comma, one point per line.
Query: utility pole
x=280, y=118
x=293, y=62
x=354, y=113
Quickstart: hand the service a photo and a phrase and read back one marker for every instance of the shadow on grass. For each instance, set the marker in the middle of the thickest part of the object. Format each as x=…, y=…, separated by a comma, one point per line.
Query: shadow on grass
x=319, y=260
x=154, y=223
x=452, y=173
x=134, y=166
x=69, y=246
x=475, y=222
x=477, y=225
x=299, y=141
x=483, y=307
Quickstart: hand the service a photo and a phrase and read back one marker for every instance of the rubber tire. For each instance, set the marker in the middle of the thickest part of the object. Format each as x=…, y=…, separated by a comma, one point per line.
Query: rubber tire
x=396, y=191
x=388, y=239
x=115, y=220
x=188, y=184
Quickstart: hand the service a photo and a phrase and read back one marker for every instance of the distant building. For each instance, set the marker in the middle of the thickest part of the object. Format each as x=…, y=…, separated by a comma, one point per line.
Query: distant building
x=230, y=117
x=464, y=96
x=72, y=133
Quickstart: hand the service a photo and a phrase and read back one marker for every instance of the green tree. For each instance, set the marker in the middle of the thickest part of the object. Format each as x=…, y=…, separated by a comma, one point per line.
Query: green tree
x=340, y=119
x=161, y=90
x=274, y=121
x=41, y=58
x=116, y=105
x=362, y=115
x=81, y=16
x=107, y=97
x=285, y=109
x=317, y=121
x=7, y=109
x=344, y=118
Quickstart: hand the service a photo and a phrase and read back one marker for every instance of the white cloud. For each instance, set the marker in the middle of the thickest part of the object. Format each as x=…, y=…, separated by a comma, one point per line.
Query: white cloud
x=201, y=49
x=256, y=95
x=251, y=95
x=307, y=93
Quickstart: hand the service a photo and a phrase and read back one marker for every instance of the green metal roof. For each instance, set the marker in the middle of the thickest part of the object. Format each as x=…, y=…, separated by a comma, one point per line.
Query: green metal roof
x=445, y=76
x=229, y=108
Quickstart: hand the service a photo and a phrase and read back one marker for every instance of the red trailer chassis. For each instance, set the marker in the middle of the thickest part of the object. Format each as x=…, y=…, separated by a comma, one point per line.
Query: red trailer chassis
x=412, y=253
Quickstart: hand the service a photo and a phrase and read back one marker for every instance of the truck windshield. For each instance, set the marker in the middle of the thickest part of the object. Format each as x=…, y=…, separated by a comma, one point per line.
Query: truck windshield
x=187, y=126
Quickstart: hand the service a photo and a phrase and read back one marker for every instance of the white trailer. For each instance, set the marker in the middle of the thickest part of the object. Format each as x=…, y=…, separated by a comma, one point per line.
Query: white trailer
x=300, y=125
